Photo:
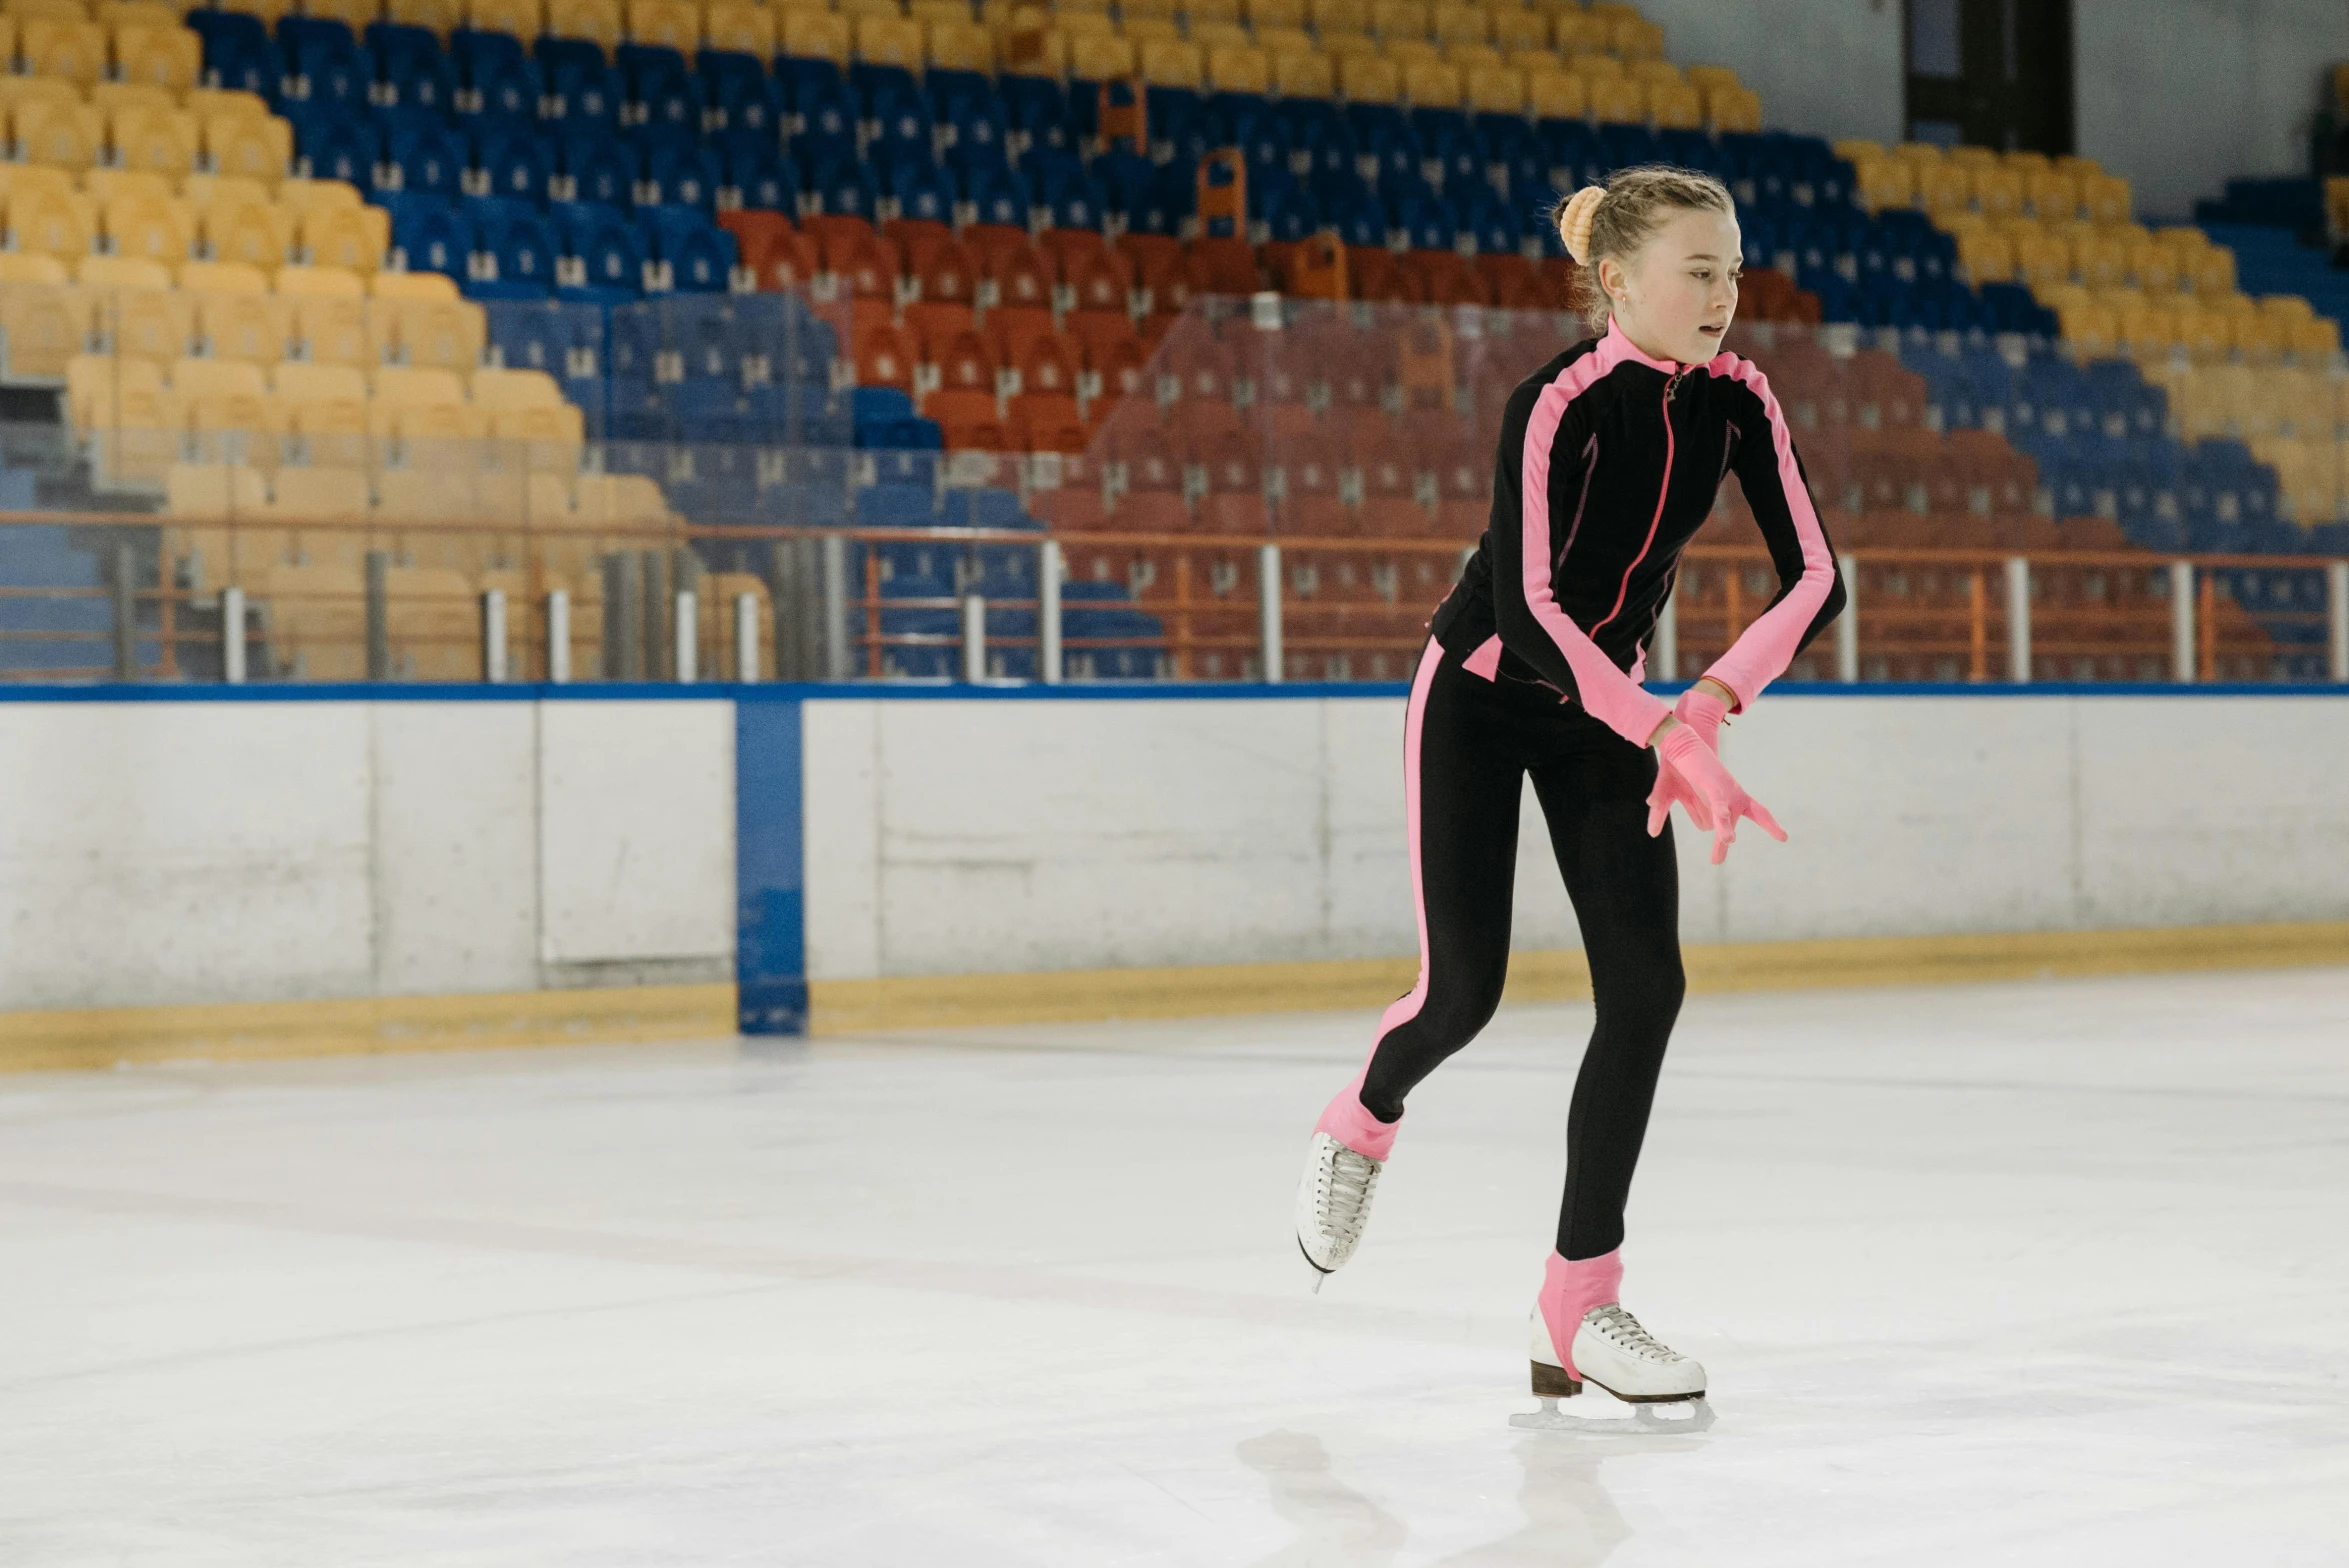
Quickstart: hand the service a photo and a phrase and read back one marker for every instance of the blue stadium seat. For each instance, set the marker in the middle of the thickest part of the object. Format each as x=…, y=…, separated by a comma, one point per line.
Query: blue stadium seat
x=494, y=76
x=662, y=89
x=325, y=63
x=603, y=256
x=596, y=167
x=1035, y=112
x=239, y=54
x=698, y=255
x=973, y=124
x=1181, y=129
x=332, y=144
x=422, y=156
x=996, y=196
x=1422, y=219
x=509, y=160
x=428, y=235
x=414, y=72
x=742, y=96
x=752, y=173
x=1449, y=151
x=581, y=87
x=514, y=251
x=679, y=169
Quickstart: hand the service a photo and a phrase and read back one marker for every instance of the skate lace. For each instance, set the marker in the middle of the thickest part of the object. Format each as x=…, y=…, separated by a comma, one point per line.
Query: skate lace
x=1346, y=1180
x=1620, y=1329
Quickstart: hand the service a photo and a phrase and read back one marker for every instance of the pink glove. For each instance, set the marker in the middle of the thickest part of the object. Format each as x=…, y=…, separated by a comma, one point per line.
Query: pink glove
x=1703, y=712
x=1701, y=775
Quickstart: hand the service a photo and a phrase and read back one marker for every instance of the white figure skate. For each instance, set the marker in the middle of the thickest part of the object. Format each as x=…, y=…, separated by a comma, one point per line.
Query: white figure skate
x=1665, y=1389
x=1333, y=1203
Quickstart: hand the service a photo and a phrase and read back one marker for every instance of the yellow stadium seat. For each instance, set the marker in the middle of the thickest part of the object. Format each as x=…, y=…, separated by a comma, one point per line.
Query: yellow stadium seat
x=320, y=494
x=1652, y=71
x=205, y=102
x=743, y=29
x=617, y=500
x=1239, y=70
x=16, y=91
x=1885, y=182
x=1336, y=16
x=247, y=327
x=1140, y=30
x=43, y=323
x=1212, y=12
x=441, y=16
x=44, y=221
x=960, y=46
x=2099, y=260
x=1987, y=255
x=93, y=382
x=497, y=389
x=1392, y=19
x=326, y=414
x=889, y=40
x=1618, y=100
x=1172, y=62
x=1304, y=75
x=1095, y=57
x=223, y=277
x=2041, y=259
x=306, y=195
x=215, y=493
x=163, y=140
x=445, y=333
x=1557, y=95
x=1262, y=14
x=332, y=329
x=1032, y=51
x=1517, y=29
x=1367, y=78
x=552, y=436
x=1211, y=36
x=197, y=377
x=354, y=237
x=2105, y=198
x=1708, y=77
x=62, y=49
x=160, y=229
x=60, y=135
x=1943, y=188
x=1998, y=192
x=525, y=19
x=816, y=35
x=2052, y=193
x=324, y=282
x=354, y=14
x=1467, y=58
x=1151, y=11
x=1284, y=40
x=1635, y=38
x=1461, y=24
x=1733, y=108
x=1342, y=47
x=1407, y=52
x=595, y=19
x=170, y=57
x=1578, y=33
x=256, y=147
x=1431, y=84
x=246, y=228
x=1496, y=89
x=670, y=24
x=235, y=427
x=1676, y=106
x=397, y=386
x=113, y=15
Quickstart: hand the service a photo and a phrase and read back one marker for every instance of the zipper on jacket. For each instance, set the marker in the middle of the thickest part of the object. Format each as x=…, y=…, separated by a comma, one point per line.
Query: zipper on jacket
x=1673, y=384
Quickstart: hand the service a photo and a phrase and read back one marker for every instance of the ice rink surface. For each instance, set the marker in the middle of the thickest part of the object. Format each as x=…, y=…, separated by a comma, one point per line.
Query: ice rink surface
x=2051, y=1273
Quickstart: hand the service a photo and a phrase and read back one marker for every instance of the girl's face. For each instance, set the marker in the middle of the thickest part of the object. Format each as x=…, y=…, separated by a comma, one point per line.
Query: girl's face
x=1676, y=298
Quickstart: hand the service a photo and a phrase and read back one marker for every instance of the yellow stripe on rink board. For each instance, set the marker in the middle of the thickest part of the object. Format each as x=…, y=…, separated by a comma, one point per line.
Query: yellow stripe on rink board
x=941, y=1001
x=254, y=1031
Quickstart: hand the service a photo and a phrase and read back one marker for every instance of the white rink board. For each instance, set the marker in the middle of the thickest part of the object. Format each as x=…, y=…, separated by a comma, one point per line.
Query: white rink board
x=959, y=836
x=191, y=852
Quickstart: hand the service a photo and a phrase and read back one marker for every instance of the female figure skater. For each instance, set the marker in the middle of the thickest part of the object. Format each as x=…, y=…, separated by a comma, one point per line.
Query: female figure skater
x=1610, y=456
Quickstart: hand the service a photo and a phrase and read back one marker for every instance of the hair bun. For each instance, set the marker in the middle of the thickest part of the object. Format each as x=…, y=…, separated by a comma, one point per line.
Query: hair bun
x=1574, y=221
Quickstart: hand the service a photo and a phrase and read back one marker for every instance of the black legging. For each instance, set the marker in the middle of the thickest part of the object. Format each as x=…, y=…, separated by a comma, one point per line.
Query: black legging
x=1474, y=741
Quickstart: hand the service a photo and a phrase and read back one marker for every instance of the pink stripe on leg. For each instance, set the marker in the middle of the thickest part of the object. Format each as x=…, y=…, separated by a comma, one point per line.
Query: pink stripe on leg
x=1570, y=1288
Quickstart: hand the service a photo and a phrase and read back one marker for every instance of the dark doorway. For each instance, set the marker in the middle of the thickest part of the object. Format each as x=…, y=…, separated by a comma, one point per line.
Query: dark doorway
x=1990, y=73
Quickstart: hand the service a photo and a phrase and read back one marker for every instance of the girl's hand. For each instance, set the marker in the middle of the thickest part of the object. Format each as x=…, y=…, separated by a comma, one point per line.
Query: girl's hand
x=1697, y=773
x=1702, y=708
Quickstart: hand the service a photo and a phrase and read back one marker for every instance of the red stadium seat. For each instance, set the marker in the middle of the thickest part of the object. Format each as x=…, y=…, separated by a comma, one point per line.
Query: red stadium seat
x=1374, y=272
x=830, y=229
x=884, y=358
x=1225, y=266
x=1515, y=283
x=969, y=421
x=1445, y=277
x=1313, y=473
x=1046, y=422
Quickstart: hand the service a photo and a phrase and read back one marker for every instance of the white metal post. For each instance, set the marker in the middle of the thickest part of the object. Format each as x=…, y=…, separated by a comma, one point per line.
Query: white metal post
x=746, y=636
x=2337, y=613
x=2018, y=618
x=834, y=557
x=2182, y=621
x=1049, y=568
x=232, y=636
x=493, y=636
x=558, y=636
x=688, y=635
x=974, y=638
x=1847, y=625
x=1268, y=609
x=1667, y=640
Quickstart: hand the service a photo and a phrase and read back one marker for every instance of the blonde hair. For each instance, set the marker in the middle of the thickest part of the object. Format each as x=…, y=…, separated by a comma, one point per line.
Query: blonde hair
x=1617, y=218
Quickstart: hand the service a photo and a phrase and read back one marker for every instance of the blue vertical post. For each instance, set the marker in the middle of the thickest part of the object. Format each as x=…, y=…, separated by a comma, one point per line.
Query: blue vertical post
x=770, y=940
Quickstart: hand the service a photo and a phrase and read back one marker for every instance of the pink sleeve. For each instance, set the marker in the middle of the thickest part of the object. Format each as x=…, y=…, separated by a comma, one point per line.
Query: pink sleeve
x=1612, y=697
x=1810, y=591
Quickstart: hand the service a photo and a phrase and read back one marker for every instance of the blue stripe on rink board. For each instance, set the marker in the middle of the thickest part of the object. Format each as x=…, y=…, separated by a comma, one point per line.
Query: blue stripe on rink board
x=1091, y=691
x=770, y=937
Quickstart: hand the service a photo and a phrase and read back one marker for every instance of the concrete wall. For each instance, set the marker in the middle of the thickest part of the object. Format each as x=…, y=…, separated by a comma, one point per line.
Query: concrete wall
x=244, y=851
x=2181, y=95
x=1827, y=68
x=958, y=837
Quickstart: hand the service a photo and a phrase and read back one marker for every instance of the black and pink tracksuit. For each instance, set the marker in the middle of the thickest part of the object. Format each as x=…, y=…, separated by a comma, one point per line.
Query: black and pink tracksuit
x=1609, y=461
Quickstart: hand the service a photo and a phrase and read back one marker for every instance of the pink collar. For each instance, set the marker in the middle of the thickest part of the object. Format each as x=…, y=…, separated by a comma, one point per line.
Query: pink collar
x=1618, y=348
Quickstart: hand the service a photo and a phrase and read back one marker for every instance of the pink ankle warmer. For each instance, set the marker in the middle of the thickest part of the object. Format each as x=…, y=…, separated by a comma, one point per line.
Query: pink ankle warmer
x=1570, y=1288
x=1349, y=1121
